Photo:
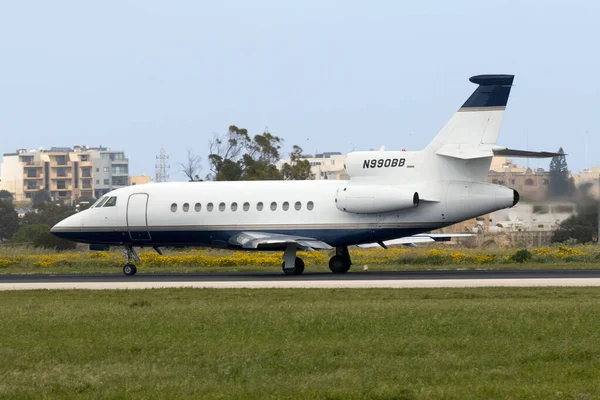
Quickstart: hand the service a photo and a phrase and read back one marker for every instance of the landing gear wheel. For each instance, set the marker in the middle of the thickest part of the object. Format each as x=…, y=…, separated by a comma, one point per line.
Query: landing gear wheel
x=129, y=269
x=338, y=265
x=297, y=270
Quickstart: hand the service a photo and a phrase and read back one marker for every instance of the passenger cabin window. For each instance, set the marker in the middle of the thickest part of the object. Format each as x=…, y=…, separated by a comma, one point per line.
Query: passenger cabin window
x=234, y=206
x=174, y=207
x=273, y=206
x=111, y=202
x=310, y=205
x=285, y=206
x=186, y=207
x=259, y=206
x=298, y=206
x=246, y=206
x=221, y=206
x=209, y=207
x=101, y=202
x=198, y=207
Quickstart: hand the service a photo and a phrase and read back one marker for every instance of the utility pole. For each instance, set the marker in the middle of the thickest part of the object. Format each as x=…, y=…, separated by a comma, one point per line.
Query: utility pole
x=162, y=167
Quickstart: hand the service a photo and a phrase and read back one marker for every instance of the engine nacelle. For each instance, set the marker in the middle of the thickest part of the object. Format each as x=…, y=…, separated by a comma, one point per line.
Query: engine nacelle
x=372, y=199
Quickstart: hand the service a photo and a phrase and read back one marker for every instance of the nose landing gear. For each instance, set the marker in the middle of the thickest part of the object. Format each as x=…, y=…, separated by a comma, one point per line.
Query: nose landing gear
x=131, y=255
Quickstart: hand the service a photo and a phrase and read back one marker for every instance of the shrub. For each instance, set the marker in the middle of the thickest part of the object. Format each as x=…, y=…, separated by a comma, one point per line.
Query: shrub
x=521, y=256
x=39, y=236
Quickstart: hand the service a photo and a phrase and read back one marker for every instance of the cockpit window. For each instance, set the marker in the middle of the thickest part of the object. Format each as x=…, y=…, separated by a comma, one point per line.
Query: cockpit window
x=111, y=202
x=101, y=202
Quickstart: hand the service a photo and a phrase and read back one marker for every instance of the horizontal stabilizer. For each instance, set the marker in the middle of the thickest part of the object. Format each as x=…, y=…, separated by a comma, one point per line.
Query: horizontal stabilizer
x=525, y=153
x=469, y=152
x=464, y=152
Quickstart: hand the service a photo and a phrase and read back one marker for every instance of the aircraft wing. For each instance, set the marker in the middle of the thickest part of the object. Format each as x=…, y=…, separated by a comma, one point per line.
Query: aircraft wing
x=274, y=241
x=412, y=241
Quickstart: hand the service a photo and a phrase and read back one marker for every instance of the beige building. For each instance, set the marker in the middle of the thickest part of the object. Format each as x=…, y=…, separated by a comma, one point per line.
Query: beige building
x=139, y=180
x=66, y=173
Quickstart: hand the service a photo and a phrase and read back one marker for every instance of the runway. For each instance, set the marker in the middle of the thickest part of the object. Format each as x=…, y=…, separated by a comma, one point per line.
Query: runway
x=258, y=280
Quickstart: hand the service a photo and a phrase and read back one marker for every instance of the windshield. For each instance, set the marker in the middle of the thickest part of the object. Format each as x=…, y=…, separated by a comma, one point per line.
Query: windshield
x=111, y=202
x=101, y=202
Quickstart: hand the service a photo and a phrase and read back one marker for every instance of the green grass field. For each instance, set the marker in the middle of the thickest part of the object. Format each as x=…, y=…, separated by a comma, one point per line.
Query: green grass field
x=331, y=344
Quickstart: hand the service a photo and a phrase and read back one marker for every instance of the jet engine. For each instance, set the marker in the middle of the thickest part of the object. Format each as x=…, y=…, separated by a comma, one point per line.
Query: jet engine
x=372, y=199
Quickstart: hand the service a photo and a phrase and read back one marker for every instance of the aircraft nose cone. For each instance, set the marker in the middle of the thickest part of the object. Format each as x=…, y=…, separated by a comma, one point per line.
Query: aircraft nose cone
x=64, y=227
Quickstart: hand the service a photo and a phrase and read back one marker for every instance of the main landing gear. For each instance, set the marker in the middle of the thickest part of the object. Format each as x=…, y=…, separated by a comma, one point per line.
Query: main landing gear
x=131, y=255
x=340, y=263
x=292, y=265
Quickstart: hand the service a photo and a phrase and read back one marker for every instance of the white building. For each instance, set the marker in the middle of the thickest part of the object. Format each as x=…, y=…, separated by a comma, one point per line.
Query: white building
x=327, y=165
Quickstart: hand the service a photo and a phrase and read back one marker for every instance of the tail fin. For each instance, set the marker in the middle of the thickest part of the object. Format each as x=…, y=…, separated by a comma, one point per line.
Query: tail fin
x=478, y=121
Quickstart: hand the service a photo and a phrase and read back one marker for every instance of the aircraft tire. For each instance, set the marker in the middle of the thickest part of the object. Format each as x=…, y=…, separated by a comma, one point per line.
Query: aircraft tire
x=338, y=265
x=129, y=269
x=297, y=270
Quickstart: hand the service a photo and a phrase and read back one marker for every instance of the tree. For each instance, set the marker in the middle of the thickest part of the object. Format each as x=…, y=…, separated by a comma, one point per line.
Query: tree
x=41, y=197
x=5, y=195
x=560, y=184
x=9, y=220
x=47, y=214
x=297, y=169
x=582, y=227
x=191, y=167
x=237, y=156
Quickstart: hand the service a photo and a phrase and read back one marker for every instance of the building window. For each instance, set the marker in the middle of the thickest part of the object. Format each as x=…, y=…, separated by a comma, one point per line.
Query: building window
x=186, y=207
x=61, y=160
x=61, y=185
x=61, y=172
x=233, y=206
x=86, y=172
x=273, y=206
x=310, y=205
x=529, y=182
x=97, y=181
x=259, y=206
x=298, y=206
x=105, y=169
x=221, y=206
x=209, y=207
x=285, y=206
x=173, y=207
x=97, y=169
x=106, y=181
x=198, y=207
x=84, y=157
x=246, y=206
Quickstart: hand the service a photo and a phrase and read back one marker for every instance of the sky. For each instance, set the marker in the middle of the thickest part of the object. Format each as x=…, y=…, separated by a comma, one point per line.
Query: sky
x=325, y=75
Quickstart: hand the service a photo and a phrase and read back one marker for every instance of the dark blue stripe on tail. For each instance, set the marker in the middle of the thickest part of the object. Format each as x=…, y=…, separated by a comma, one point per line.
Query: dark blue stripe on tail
x=493, y=91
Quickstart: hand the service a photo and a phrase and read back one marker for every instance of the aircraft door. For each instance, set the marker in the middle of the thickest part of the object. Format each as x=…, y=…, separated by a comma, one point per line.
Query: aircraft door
x=137, y=218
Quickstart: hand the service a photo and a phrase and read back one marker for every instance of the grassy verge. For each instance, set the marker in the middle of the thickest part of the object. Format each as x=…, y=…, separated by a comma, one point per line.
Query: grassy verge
x=336, y=344
x=28, y=260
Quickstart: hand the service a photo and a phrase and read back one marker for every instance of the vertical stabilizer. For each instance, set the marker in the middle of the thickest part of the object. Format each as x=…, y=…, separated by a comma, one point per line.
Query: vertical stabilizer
x=478, y=120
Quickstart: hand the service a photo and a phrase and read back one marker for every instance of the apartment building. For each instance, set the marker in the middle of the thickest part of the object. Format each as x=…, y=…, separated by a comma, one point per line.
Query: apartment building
x=68, y=173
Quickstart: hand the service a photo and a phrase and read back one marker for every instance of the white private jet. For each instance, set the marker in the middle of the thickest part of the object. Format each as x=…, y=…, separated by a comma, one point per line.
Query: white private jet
x=390, y=195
